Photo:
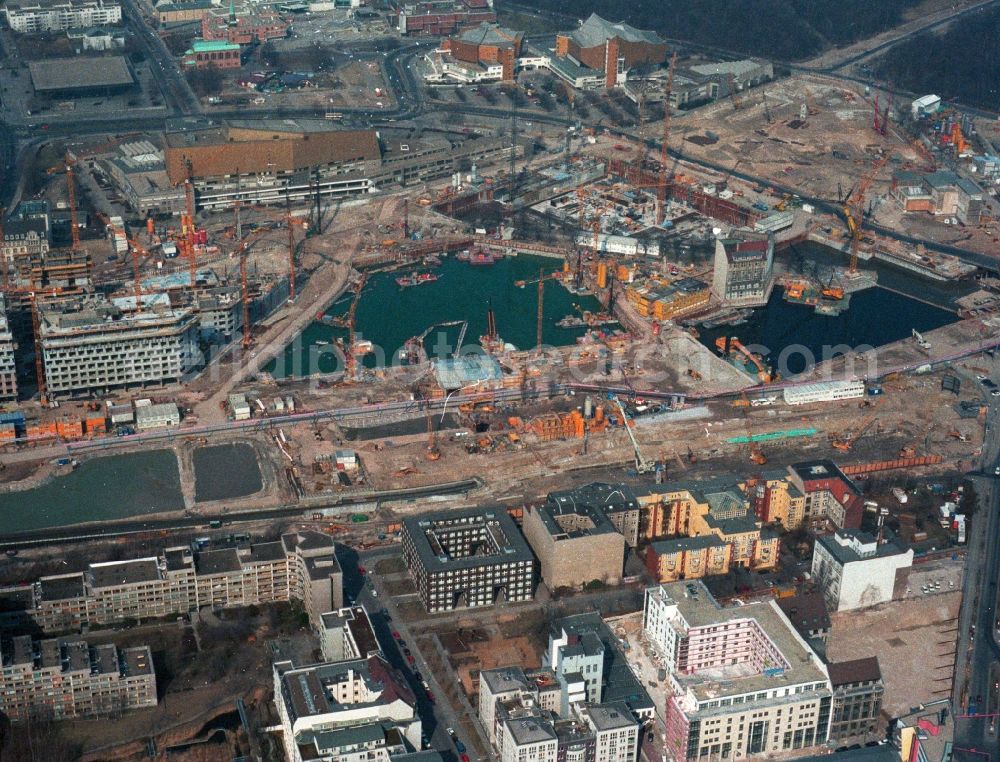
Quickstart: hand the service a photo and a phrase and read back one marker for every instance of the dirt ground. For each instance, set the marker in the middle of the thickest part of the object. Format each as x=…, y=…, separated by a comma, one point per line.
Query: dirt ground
x=198, y=676
x=789, y=149
x=914, y=641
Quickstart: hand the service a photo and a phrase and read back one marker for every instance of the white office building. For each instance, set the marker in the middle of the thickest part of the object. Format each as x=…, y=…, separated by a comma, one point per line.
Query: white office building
x=94, y=345
x=824, y=391
x=855, y=570
x=38, y=17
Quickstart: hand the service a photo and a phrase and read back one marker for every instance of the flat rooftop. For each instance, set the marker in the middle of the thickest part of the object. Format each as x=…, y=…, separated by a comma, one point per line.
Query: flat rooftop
x=700, y=609
x=115, y=573
x=81, y=72
x=431, y=536
x=619, y=682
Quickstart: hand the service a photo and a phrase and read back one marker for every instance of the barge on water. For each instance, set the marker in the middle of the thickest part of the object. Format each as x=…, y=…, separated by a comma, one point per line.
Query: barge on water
x=415, y=279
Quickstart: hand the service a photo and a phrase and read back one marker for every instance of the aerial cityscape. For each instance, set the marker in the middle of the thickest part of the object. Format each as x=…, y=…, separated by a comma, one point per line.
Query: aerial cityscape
x=499, y=381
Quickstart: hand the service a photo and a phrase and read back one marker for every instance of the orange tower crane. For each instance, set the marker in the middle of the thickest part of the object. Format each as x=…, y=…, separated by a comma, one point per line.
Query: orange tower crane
x=137, y=252
x=67, y=166
x=349, y=360
x=74, y=226
x=241, y=251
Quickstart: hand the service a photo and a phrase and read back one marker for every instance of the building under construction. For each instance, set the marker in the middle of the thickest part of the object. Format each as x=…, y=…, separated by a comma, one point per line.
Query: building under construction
x=8, y=373
x=302, y=162
x=89, y=344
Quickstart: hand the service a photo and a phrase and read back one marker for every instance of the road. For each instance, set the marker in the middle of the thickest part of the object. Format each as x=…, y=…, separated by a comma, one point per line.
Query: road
x=179, y=95
x=977, y=653
x=860, y=51
x=137, y=525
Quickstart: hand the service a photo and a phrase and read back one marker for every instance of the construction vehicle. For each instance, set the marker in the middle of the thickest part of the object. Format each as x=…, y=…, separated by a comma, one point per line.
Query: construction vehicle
x=756, y=452
x=910, y=450
x=844, y=443
x=921, y=341
x=729, y=345
x=642, y=465
x=433, y=452
x=735, y=99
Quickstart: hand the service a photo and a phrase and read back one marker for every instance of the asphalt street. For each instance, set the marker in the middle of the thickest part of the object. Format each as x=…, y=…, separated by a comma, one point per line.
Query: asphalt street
x=978, y=655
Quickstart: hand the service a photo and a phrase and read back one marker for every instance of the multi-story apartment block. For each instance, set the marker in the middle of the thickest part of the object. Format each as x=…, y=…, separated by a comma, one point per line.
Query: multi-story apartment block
x=712, y=529
x=777, y=500
x=354, y=710
x=46, y=16
x=95, y=345
x=347, y=634
x=589, y=664
x=857, y=699
x=742, y=681
x=744, y=271
x=467, y=559
x=592, y=733
x=829, y=494
x=616, y=501
x=300, y=566
x=62, y=679
x=854, y=569
x=583, y=705
x=8, y=371
x=575, y=544
x=507, y=683
x=23, y=238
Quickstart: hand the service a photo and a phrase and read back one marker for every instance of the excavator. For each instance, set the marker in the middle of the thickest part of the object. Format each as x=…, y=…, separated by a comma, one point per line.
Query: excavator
x=733, y=344
x=642, y=465
x=757, y=455
x=844, y=442
x=433, y=452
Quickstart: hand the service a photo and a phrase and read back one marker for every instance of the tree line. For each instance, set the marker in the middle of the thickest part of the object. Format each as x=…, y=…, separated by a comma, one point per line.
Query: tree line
x=783, y=29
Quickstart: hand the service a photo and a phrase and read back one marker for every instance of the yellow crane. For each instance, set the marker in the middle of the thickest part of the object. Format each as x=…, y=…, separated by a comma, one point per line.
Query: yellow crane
x=854, y=208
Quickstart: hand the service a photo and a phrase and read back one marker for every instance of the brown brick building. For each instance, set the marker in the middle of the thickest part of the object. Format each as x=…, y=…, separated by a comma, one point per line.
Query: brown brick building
x=611, y=48
x=487, y=44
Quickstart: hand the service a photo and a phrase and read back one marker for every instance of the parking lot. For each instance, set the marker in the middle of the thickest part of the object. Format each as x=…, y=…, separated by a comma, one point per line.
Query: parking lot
x=935, y=577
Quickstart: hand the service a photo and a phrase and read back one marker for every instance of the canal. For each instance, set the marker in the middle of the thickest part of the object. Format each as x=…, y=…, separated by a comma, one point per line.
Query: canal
x=388, y=315
x=102, y=489
x=796, y=333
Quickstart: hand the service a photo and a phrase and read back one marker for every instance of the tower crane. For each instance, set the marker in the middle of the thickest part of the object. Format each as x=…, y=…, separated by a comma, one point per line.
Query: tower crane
x=853, y=209
x=845, y=442
x=241, y=252
x=642, y=465
x=433, y=452
x=349, y=361
x=542, y=277
x=665, y=140
x=74, y=223
x=138, y=251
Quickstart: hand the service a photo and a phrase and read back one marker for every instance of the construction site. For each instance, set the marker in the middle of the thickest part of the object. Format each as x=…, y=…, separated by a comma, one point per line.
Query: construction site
x=663, y=246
